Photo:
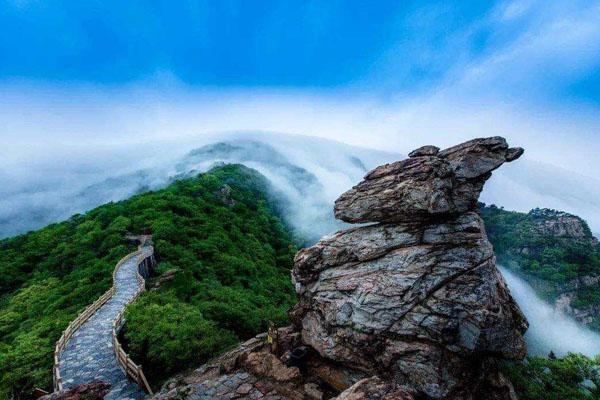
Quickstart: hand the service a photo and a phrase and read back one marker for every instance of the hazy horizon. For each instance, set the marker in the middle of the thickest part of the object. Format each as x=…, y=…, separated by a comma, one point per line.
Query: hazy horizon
x=78, y=178
x=391, y=77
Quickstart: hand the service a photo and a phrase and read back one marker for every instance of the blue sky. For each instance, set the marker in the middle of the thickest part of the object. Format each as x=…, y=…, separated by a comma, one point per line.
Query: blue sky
x=235, y=43
x=383, y=46
x=385, y=74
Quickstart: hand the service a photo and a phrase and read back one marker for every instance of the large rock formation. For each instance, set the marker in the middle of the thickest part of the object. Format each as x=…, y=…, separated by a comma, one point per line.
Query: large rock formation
x=409, y=308
x=416, y=298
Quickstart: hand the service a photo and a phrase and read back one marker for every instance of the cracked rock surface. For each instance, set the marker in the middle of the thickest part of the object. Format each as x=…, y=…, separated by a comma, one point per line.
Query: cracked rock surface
x=415, y=298
x=96, y=390
x=430, y=183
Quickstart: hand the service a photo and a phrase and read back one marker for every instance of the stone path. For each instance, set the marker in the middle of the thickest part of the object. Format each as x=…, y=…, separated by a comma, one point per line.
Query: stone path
x=89, y=355
x=239, y=386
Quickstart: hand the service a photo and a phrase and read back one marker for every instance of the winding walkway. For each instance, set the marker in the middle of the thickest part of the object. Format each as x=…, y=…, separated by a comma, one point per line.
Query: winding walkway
x=89, y=354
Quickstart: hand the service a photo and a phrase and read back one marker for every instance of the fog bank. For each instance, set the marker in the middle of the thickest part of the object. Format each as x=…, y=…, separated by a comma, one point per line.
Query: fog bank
x=550, y=330
x=50, y=186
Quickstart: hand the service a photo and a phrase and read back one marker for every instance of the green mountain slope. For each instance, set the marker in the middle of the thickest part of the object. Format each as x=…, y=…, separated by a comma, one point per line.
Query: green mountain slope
x=573, y=377
x=555, y=251
x=218, y=236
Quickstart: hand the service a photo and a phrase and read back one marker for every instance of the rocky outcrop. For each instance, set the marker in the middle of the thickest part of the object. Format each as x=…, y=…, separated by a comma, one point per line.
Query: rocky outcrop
x=585, y=315
x=375, y=389
x=543, y=225
x=165, y=277
x=224, y=194
x=89, y=391
x=555, y=252
x=559, y=227
x=253, y=370
x=560, y=224
x=416, y=298
x=429, y=184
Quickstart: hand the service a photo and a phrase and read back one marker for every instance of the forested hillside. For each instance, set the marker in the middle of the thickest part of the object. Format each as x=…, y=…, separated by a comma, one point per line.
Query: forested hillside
x=229, y=257
x=218, y=236
x=548, y=244
x=555, y=251
x=573, y=377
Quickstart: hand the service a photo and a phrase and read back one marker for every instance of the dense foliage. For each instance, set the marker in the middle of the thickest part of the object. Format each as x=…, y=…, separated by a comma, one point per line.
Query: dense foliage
x=555, y=260
x=574, y=377
x=46, y=278
x=234, y=259
x=219, y=231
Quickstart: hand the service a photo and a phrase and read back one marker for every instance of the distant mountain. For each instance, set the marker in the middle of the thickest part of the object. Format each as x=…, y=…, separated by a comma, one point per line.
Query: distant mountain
x=308, y=173
x=298, y=190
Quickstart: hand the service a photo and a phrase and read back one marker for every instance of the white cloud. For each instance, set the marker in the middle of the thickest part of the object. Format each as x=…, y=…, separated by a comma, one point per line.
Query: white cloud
x=38, y=125
x=514, y=9
x=507, y=90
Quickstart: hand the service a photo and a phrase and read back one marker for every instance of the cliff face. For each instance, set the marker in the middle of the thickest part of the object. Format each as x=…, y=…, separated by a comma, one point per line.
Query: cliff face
x=561, y=224
x=416, y=298
x=409, y=307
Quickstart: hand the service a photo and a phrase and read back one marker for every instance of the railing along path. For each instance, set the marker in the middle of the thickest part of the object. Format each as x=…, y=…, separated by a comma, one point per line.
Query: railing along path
x=82, y=353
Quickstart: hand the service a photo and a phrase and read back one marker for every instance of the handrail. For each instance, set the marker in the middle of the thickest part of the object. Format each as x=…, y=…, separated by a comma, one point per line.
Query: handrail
x=136, y=373
x=77, y=322
x=130, y=368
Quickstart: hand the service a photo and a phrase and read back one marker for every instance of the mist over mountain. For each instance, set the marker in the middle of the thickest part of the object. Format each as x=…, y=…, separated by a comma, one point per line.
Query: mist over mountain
x=307, y=172
x=550, y=330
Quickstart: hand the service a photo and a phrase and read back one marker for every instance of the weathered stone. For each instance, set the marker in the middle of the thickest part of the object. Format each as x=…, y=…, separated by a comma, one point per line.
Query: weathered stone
x=165, y=277
x=89, y=391
x=416, y=300
x=268, y=365
x=244, y=388
x=224, y=195
x=335, y=376
x=312, y=391
x=426, y=185
x=375, y=389
x=424, y=151
x=560, y=224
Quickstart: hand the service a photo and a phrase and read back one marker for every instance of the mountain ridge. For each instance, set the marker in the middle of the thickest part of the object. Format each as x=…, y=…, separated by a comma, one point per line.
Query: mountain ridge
x=60, y=191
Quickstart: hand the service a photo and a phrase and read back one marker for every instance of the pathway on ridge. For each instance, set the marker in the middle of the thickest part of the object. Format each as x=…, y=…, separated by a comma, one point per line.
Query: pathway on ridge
x=89, y=354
